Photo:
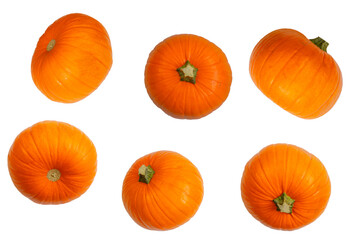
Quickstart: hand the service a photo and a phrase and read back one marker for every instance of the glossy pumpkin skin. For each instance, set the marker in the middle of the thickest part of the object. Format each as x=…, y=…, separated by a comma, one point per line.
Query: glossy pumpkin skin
x=284, y=168
x=170, y=199
x=52, y=145
x=295, y=73
x=182, y=99
x=78, y=62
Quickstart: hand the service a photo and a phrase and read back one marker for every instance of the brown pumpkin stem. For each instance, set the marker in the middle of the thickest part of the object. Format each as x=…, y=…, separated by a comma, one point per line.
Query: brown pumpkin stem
x=284, y=203
x=53, y=175
x=187, y=72
x=145, y=174
x=51, y=45
x=321, y=43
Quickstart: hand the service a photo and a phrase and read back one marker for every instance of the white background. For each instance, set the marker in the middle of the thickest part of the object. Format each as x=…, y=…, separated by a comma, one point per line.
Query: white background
x=124, y=124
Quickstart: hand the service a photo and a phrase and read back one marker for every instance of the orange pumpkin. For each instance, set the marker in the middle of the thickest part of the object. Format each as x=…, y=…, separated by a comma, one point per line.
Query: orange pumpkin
x=187, y=76
x=296, y=73
x=285, y=187
x=162, y=190
x=52, y=162
x=72, y=58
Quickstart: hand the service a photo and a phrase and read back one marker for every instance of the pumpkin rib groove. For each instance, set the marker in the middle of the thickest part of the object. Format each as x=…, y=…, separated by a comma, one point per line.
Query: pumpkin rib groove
x=98, y=45
x=148, y=209
x=43, y=86
x=59, y=80
x=315, y=182
x=169, y=201
x=213, y=80
x=303, y=176
x=339, y=84
x=96, y=31
x=86, y=52
x=163, y=80
x=202, y=95
x=296, y=75
x=77, y=78
x=151, y=225
x=170, y=94
x=166, y=60
x=266, y=177
x=61, y=84
x=284, y=181
x=283, y=67
x=204, y=99
x=174, y=53
x=34, y=196
x=37, y=149
x=33, y=162
x=291, y=173
x=153, y=206
x=260, y=194
x=161, y=209
x=189, y=183
x=260, y=48
x=136, y=199
x=31, y=167
x=268, y=56
x=210, y=90
x=301, y=95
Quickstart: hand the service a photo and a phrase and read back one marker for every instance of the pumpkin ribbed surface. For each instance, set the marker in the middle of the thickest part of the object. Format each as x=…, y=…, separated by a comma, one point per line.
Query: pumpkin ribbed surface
x=52, y=162
x=295, y=73
x=187, y=76
x=285, y=169
x=72, y=58
x=172, y=196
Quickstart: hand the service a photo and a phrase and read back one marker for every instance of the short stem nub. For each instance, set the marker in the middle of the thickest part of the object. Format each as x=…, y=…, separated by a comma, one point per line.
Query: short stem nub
x=51, y=45
x=53, y=175
x=187, y=72
x=321, y=43
x=146, y=173
x=284, y=203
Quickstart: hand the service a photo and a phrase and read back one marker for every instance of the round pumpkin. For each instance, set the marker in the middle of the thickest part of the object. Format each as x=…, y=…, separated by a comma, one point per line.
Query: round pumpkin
x=52, y=162
x=72, y=58
x=285, y=187
x=296, y=73
x=162, y=190
x=187, y=76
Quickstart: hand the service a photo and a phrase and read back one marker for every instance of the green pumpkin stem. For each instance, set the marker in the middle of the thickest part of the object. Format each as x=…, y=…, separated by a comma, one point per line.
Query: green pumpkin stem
x=284, y=203
x=187, y=72
x=145, y=174
x=321, y=43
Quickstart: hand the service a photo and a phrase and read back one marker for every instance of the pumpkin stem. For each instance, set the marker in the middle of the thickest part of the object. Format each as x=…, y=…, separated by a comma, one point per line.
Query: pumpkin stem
x=284, y=203
x=187, y=72
x=51, y=45
x=53, y=175
x=145, y=174
x=321, y=43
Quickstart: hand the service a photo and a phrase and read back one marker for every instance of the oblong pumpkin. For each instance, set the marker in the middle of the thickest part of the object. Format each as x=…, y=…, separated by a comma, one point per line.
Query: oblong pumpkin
x=187, y=76
x=72, y=58
x=162, y=190
x=296, y=73
x=52, y=162
x=285, y=187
